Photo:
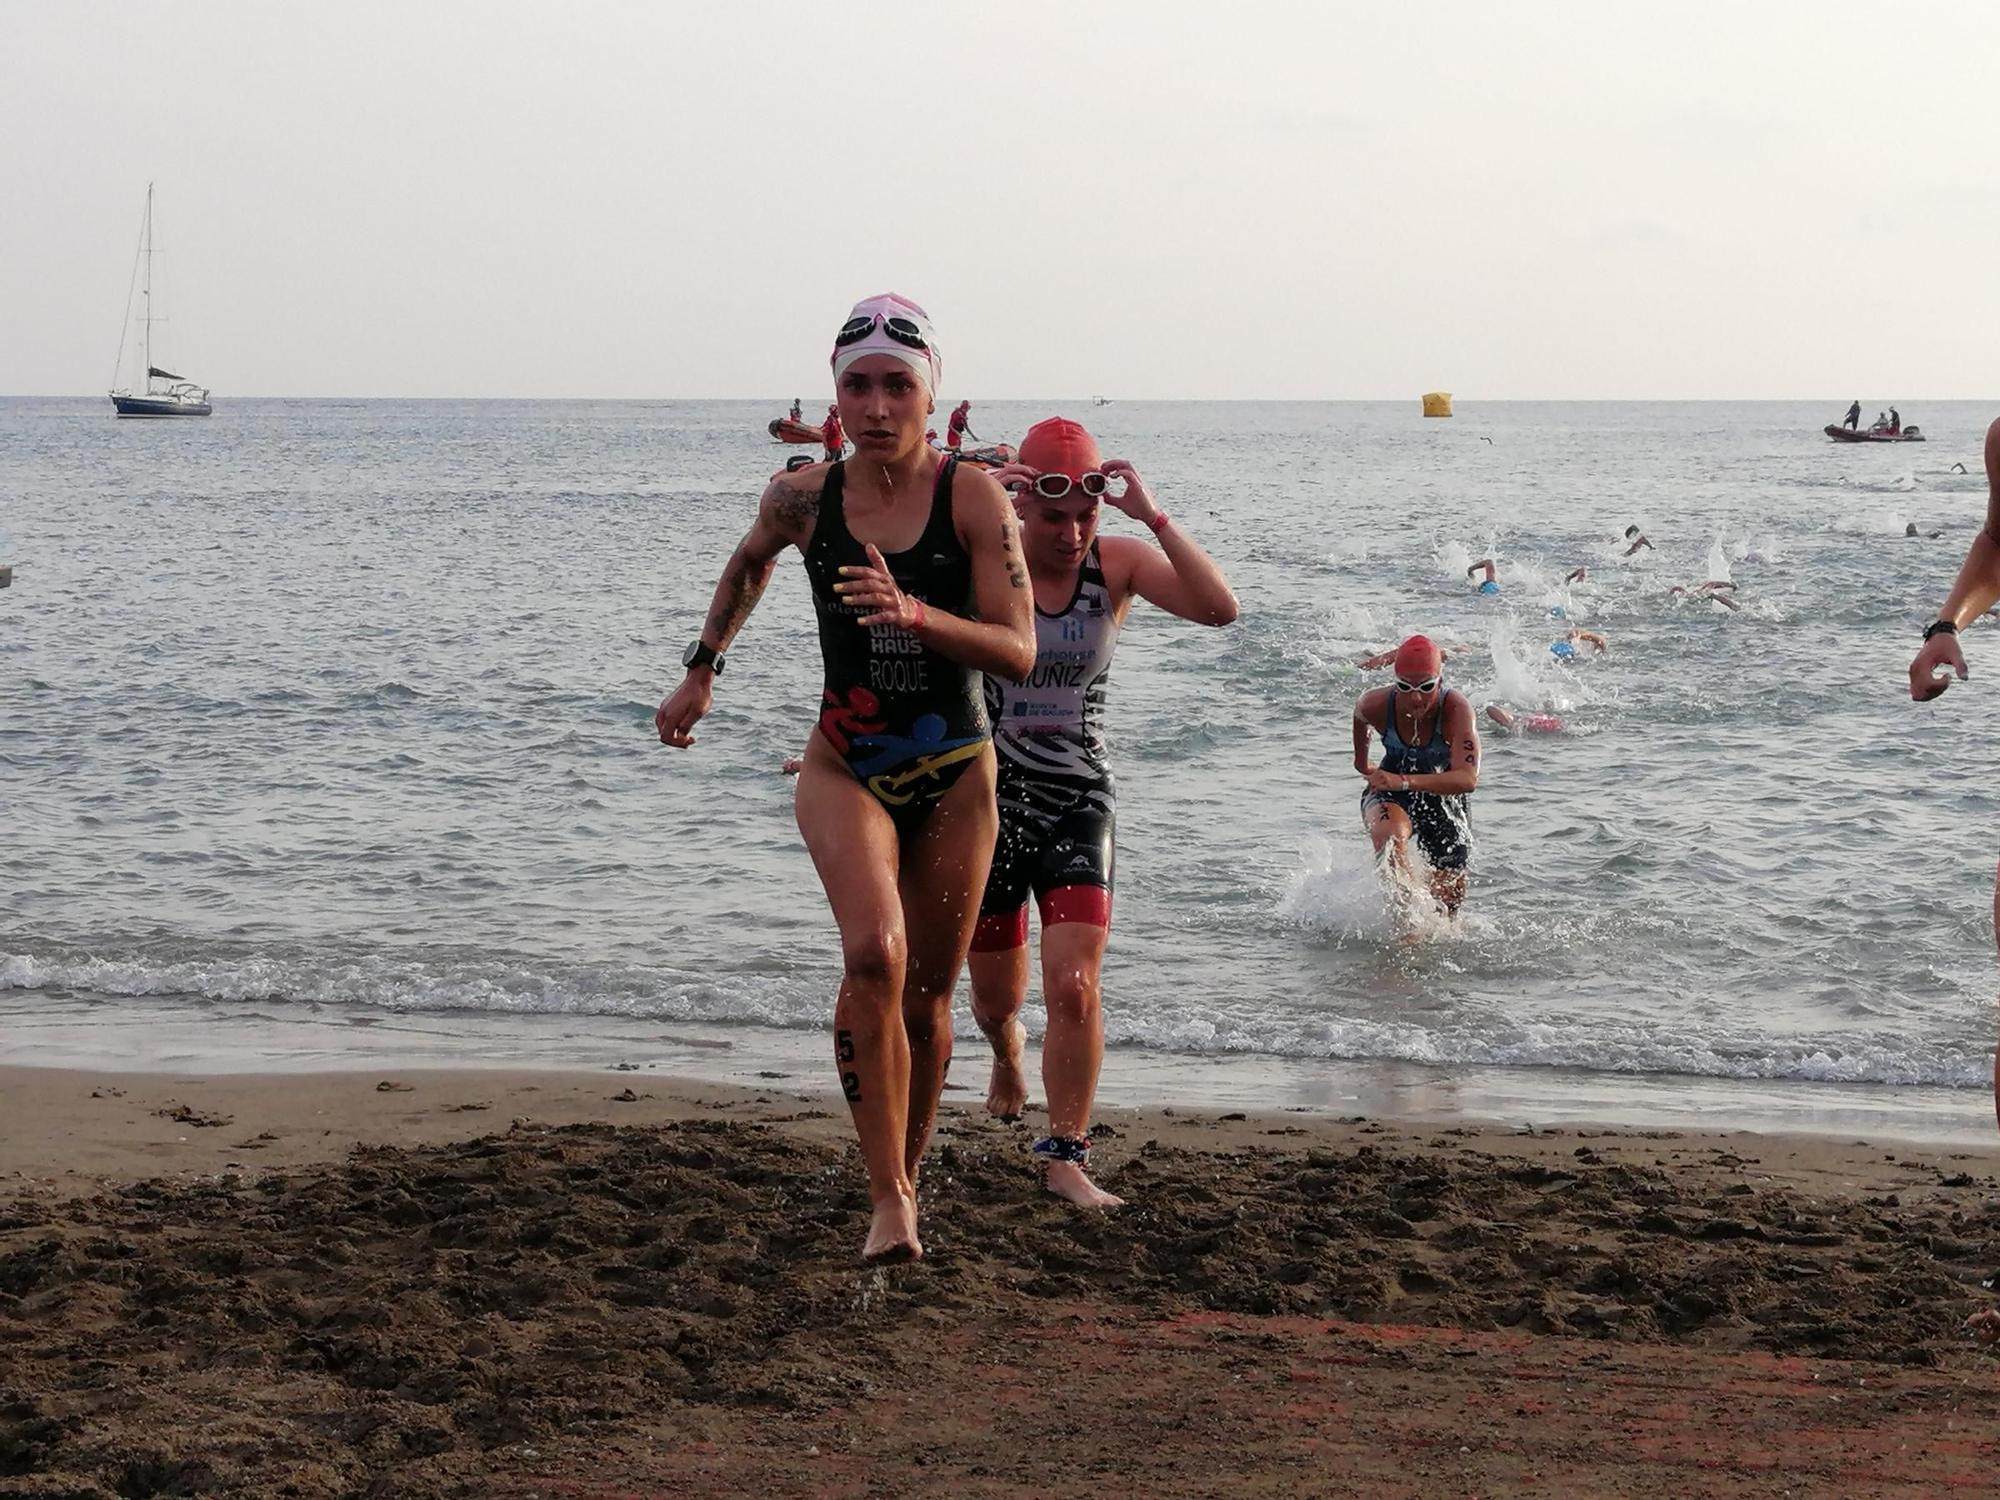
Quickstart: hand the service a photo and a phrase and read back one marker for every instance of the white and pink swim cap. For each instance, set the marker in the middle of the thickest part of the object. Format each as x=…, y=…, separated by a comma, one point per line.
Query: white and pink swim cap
x=890, y=325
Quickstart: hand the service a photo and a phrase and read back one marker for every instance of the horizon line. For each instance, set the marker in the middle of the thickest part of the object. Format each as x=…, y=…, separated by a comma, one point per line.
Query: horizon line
x=1111, y=401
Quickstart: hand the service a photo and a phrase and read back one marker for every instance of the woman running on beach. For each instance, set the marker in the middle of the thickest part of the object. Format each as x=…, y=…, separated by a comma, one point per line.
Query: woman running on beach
x=917, y=579
x=1430, y=765
x=1057, y=802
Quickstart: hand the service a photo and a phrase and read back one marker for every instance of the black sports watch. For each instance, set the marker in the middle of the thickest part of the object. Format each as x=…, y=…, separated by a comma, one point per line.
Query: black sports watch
x=1939, y=627
x=701, y=654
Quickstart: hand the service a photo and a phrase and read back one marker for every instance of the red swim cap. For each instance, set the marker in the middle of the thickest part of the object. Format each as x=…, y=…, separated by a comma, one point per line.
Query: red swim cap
x=1418, y=658
x=1060, y=446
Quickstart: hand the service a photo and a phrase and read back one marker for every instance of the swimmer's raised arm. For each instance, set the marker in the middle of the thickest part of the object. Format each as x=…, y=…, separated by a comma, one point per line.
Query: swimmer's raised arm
x=1975, y=591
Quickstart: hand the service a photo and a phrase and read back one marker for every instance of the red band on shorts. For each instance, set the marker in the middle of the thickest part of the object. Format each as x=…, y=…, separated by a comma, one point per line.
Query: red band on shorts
x=1089, y=904
x=1001, y=931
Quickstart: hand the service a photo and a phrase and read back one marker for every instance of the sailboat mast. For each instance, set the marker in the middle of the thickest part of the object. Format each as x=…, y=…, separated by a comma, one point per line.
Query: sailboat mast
x=148, y=294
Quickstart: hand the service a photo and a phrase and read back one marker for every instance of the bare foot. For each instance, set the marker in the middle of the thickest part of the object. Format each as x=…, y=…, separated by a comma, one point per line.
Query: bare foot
x=1067, y=1180
x=892, y=1233
x=1007, y=1094
x=1984, y=1325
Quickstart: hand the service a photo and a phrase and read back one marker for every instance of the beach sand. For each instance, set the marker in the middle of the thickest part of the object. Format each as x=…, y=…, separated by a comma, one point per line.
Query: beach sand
x=613, y=1284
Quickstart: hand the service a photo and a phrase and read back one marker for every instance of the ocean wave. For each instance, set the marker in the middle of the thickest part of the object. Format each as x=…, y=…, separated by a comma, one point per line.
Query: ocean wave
x=802, y=1001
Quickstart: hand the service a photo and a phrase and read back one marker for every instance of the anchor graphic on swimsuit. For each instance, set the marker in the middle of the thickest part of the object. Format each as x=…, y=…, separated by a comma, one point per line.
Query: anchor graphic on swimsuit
x=922, y=755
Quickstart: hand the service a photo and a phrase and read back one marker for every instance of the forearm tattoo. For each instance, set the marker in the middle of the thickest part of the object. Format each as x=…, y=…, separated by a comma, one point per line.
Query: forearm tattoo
x=736, y=595
x=1016, y=573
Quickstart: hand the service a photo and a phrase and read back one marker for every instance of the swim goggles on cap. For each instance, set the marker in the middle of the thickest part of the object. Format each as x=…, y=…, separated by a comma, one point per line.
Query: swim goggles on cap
x=1429, y=684
x=902, y=330
x=1055, y=486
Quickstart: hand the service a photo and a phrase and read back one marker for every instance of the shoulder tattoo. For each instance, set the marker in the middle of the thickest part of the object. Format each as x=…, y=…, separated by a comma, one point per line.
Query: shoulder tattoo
x=794, y=508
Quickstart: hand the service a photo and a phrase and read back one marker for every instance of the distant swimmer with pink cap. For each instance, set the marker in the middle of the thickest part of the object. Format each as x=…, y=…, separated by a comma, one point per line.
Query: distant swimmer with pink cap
x=1525, y=723
x=1058, y=807
x=919, y=584
x=1429, y=768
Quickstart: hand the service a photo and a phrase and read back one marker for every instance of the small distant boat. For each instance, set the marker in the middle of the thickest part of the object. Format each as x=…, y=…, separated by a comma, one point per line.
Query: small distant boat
x=785, y=430
x=1909, y=434
x=163, y=394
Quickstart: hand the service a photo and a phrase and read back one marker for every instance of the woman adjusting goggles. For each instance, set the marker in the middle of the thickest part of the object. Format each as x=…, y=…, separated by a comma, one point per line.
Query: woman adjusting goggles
x=1054, y=486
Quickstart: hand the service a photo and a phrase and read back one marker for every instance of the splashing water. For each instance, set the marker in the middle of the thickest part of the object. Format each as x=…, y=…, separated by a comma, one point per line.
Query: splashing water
x=1717, y=565
x=1339, y=890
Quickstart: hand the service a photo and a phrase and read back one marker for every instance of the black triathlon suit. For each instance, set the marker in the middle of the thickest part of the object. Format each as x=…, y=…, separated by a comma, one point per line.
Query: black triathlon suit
x=905, y=719
x=1058, y=807
x=1443, y=823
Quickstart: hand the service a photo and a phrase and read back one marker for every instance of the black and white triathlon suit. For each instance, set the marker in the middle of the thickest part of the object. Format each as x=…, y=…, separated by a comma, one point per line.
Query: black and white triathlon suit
x=1058, y=808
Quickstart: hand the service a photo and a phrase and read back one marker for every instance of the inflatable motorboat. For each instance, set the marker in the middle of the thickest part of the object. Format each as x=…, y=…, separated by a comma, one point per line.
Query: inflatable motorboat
x=785, y=430
x=1909, y=434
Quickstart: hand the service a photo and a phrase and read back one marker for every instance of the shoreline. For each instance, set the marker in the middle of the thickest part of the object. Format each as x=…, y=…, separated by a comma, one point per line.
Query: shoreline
x=142, y=1036
x=509, y=1283
x=85, y=1130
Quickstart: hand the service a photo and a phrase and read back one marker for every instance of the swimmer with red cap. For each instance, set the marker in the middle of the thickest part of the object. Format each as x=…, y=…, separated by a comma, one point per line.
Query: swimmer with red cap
x=914, y=563
x=1429, y=768
x=1058, y=809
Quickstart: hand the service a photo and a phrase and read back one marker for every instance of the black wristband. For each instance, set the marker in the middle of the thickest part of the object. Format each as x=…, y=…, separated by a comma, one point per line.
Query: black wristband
x=1939, y=627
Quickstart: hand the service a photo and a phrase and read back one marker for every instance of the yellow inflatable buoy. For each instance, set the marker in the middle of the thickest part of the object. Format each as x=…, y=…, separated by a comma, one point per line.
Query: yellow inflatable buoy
x=1437, y=404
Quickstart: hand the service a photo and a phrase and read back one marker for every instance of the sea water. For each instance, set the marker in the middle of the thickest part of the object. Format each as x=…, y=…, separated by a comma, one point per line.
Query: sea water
x=328, y=715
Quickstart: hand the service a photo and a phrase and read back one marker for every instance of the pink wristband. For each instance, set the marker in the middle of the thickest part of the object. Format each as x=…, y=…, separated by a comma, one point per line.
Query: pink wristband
x=1159, y=523
x=918, y=623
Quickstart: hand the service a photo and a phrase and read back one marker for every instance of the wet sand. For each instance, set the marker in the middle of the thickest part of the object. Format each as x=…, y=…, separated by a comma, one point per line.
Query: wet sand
x=515, y=1284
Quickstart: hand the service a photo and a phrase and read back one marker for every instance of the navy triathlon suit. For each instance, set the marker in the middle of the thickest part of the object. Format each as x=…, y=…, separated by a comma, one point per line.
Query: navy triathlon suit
x=1058, y=809
x=1443, y=823
x=907, y=720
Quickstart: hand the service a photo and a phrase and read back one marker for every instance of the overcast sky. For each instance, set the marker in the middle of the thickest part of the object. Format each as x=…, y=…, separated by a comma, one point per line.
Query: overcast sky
x=518, y=198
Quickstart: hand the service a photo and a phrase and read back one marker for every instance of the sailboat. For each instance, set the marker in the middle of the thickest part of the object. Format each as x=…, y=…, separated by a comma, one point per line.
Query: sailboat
x=165, y=394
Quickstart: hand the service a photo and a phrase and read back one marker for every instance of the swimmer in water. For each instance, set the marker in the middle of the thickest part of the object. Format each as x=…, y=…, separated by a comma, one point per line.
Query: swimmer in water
x=1564, y=648
x=1489, y=586
x=1580, y=575
x=1711, y=591
x=1638, y=539
x=1429, y=768
x=1911, y=530
x=1526, y=723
